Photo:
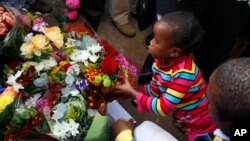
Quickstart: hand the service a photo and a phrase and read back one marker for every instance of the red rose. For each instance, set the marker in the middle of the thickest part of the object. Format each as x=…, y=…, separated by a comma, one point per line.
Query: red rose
x=109, y=65
x=3, y=30
x=9, y=19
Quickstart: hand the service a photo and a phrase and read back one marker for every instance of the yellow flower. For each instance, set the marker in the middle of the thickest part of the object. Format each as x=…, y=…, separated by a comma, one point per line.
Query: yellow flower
x=7, y=97
x=54, y=34
x=39, y=41
x=27, y=50
x=55, y=70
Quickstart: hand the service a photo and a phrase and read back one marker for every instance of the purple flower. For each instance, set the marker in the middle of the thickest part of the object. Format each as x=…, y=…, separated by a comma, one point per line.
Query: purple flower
x=59, y=56
x=81, y=85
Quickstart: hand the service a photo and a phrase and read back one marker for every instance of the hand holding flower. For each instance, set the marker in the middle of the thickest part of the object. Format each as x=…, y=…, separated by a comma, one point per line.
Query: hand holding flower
x=124, y=90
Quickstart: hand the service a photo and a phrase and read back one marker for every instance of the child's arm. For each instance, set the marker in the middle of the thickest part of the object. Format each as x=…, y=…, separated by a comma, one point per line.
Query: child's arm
x=147, y=103
x=171, y=95
x=149, y=89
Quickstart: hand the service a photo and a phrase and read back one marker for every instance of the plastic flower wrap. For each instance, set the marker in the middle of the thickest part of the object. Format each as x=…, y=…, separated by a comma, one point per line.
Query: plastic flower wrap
x=7, y=98
x=63, y=82
x=11, y=36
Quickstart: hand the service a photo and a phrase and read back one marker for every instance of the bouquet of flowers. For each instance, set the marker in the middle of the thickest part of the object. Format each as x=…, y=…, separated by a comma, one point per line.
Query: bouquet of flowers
x=11, y=36
x=62, y=82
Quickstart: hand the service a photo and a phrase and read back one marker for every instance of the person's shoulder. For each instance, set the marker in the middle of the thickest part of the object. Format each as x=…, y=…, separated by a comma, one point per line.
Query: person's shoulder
x=186, y=69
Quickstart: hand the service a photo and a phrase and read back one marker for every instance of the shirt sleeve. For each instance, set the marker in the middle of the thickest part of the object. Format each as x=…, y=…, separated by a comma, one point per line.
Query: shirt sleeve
x=125, y=135
x=146, y=90
x=164, y=101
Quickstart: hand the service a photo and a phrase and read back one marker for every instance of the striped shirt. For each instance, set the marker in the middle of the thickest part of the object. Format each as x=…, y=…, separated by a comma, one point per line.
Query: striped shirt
x=178, y=87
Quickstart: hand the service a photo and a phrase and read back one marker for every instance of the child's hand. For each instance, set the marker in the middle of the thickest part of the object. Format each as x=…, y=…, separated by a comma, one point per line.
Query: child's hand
x=124, y=90
x=121, y=125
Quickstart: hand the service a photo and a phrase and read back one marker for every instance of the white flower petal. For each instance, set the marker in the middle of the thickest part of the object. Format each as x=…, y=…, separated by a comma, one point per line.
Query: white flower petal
x=74, y=92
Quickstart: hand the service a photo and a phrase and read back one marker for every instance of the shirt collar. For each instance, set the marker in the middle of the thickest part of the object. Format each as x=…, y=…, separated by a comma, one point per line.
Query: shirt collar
x=219, y=133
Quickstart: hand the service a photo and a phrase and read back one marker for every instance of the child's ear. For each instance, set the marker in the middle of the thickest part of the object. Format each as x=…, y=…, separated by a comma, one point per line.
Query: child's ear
x=176, y=52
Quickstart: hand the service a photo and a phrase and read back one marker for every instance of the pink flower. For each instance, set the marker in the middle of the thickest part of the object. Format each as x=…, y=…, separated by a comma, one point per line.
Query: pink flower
x=38, y=20
x=39, y=24
x=73, y=4
x=71, y=14
x=41, y=103
x=122, y=61
x=24, y=20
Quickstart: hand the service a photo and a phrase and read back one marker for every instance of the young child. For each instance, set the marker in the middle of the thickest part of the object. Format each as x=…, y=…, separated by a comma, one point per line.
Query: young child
x=228, y=85
x=229, y=95
x=177, y=84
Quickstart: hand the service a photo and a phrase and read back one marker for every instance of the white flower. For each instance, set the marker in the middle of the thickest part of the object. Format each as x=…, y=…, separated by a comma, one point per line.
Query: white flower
x=31, y=102
x=12, y=81
x=28, y=37
x=71, y=127
x=39, y=67
x=20, y=109
x=40, y=27
x=80, y=56
x=93, y=58
x=45, y=64
x=73, y=69
x=50, y=63
x=70, y=43
x=74, y=92
x=95, y=48
x=58, y=131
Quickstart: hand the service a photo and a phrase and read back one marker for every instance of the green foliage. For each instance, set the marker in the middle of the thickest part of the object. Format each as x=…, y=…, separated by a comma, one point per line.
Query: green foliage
x=58, y=77
x=5, y=116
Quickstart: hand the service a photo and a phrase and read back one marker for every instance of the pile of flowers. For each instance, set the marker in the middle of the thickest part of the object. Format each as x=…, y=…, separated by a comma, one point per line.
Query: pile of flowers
x=61, y=82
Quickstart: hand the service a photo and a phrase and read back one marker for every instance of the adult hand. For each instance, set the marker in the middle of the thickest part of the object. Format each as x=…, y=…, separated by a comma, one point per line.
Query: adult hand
x=121, y=125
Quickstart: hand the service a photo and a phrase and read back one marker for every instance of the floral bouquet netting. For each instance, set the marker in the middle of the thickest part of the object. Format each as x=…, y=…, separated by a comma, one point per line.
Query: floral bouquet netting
x=62, y=83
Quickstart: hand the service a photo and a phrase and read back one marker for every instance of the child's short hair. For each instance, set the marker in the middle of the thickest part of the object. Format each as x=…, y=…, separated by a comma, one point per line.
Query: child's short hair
x=186, y=30
x=233, y=82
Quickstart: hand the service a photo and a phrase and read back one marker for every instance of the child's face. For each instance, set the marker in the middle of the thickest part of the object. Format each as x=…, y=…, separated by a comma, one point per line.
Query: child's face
x=161, y=45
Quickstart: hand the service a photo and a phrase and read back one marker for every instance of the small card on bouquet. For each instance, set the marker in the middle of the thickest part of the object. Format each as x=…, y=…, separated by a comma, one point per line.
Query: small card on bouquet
x=116, y=111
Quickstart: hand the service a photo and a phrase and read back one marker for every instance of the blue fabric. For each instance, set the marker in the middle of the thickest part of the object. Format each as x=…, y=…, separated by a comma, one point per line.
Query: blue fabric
x=203, y=137
x=1, y=89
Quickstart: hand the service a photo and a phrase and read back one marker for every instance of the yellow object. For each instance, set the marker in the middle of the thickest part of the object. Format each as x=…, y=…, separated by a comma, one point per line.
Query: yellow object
x=7, y=97
x=216, y=138
x=54, y=34
x=125, y=135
